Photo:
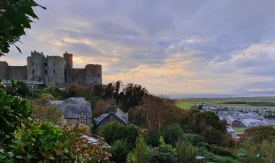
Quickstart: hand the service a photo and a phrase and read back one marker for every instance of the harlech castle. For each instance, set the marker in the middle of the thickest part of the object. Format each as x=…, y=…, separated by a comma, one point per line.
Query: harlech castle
x=52, y=71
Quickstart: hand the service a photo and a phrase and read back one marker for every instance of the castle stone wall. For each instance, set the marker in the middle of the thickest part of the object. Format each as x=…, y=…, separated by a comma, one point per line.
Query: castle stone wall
x=76, y=76
x=93, y=74
x=4, y=70
x=69, y=60
x=55, y=69
x=18, y=72
x=35, y=66
x=52, y=71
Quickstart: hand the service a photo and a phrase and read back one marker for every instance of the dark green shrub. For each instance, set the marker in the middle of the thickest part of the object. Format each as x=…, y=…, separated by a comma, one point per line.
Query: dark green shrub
x=202, y=151
x=186, y=153
x=120, y=150
x=227, y=160
x=194, y=139
x=139, y=154
x=152, y=139
x=115, y=131
x=172, y=134
x=164, y=153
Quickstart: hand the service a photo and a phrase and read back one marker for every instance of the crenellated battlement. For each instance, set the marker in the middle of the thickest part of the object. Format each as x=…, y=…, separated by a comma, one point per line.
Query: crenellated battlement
x=52, y=70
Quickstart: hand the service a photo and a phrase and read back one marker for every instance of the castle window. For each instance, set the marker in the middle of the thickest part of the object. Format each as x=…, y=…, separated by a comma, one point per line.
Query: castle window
x=32, y=71
x=54, y=71
x=98, y=75
x=46, y=71
x=32, y=63
x=45, y=64
x=53, y=63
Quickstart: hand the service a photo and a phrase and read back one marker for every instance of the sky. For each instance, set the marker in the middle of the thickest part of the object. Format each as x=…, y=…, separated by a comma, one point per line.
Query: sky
x=170, y=47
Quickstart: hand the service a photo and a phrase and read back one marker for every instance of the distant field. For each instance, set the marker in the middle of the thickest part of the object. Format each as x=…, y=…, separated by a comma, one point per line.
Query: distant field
x=239, y=130
x=190, y=102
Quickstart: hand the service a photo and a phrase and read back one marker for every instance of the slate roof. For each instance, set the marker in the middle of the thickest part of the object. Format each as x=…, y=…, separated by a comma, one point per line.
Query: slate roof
x=102, y=117
x=248, y=117
x=73, y=110
x=270, y=121
x=56, y=102
x=78, y=99
x=119, y=114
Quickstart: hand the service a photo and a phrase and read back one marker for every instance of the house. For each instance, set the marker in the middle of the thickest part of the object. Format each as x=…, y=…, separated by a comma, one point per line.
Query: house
x=206, y=106
x=270, y=122
x=114, y=115
x=76, y=110
x=253, y=122
x=248, y=117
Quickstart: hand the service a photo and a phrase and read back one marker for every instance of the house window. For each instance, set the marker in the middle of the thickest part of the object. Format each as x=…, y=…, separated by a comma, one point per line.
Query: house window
x=33, y=71
x=46, y=71
x=82, y=116
x=83, y=122
x=45, y=64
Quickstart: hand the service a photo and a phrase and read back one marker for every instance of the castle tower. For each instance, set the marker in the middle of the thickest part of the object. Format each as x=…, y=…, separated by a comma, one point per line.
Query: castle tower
x=4, y=75
x=69, y=60
x=35, y=66
x=93, y=74
x=55, y=70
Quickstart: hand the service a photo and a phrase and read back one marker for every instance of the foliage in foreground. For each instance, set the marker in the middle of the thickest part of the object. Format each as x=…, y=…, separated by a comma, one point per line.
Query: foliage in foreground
x=24, y=140
x=15, y=17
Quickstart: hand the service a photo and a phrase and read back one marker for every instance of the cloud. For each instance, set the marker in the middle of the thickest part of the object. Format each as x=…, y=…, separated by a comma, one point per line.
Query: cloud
x=178, y=46
x=115, y=29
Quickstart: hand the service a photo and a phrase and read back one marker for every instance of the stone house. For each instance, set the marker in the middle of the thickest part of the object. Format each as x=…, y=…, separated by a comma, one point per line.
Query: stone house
x=76, y=110
x=114, y=115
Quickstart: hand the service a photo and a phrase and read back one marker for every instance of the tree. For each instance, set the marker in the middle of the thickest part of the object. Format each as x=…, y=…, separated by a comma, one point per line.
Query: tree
x=15, y=17
x=163, y=153
x=155, y=110
x=186, y=153
x=260, y=133
x=120, y=150
x=98, y=90
x=101, y=107
x=54, y=91
x=45, y=112
x=115, y=131
x=172, y=134
x=140, y=153
x=22, y=88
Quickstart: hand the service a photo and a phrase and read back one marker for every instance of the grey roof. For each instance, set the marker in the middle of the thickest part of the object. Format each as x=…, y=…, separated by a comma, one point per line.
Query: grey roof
x=248, y=117
x=78, y=99
x=270, y=121
x=119, y=114
x=73, y=110
x=56, y=102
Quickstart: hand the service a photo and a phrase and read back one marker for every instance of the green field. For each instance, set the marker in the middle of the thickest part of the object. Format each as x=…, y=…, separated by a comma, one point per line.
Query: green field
x=190, y=102
x=239, y=130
